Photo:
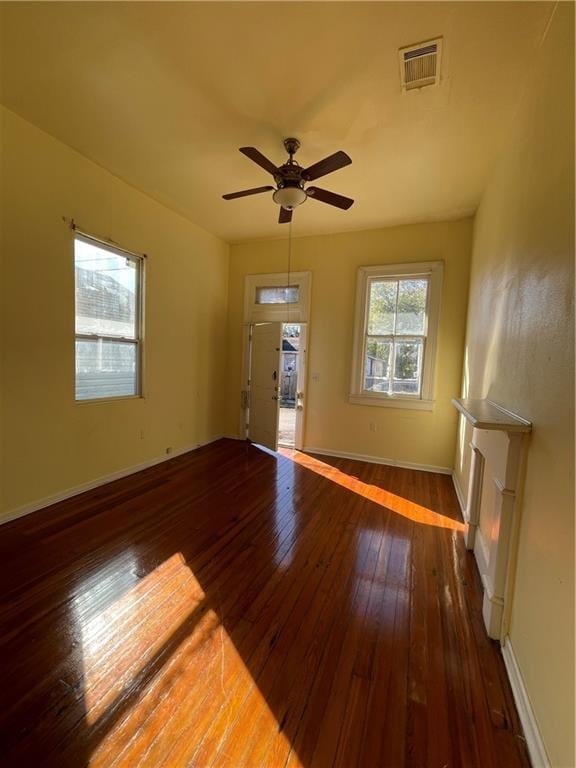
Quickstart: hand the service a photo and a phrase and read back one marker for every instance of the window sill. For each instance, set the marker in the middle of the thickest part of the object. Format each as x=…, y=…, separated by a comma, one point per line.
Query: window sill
x=120, y=398
x=384, y=401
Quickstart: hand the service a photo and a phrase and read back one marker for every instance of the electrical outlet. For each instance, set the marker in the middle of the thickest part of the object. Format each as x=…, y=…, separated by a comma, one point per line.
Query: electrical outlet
x=169, y=449
x=372, y=426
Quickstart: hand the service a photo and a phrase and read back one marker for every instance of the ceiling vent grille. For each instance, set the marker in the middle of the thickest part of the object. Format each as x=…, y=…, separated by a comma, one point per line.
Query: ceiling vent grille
x=420, y=64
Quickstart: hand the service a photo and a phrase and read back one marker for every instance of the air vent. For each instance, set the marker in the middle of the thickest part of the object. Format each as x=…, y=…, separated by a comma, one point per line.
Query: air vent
x=420, y=64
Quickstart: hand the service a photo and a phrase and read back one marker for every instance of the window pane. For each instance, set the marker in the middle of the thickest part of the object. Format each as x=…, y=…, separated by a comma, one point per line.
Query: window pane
x=105, y=369
x=377, y=365
x=411, y=312
x=382, y=307
x=106, y=286
x=407, y=367
x=282, y=294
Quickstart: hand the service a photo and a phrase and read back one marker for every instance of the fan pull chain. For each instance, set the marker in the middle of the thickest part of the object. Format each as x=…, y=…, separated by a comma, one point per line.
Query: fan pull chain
x=289, y=266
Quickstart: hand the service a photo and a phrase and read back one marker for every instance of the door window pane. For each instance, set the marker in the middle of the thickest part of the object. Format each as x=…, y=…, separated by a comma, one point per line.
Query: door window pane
x=282, y=294
x=106, y=286
x=411, y=310
x=105, y=369
x=377, y=365
x=407, y=367
x=382, y=307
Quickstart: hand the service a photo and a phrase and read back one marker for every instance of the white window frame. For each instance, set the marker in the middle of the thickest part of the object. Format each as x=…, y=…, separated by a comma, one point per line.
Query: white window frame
x=138, y=339
x=433, y=272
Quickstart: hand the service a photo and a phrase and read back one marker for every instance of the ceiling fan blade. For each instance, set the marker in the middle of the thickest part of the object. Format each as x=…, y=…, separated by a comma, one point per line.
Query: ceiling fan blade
x=328, y=165
x=258, y=158
x=285, y=216
x=329, y=197
x=245, y=192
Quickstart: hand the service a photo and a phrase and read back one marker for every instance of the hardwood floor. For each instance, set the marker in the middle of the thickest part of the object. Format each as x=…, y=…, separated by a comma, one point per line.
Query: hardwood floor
x=233, y=608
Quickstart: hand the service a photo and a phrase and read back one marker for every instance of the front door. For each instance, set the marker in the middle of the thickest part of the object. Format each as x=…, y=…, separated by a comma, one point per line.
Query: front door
x=265, y=352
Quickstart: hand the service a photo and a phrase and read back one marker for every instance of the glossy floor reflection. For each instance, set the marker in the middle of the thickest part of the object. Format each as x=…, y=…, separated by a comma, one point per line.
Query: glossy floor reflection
x=234, y=607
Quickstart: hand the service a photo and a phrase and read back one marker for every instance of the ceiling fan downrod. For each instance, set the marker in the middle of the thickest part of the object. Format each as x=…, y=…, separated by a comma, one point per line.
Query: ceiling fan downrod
x=291, y=146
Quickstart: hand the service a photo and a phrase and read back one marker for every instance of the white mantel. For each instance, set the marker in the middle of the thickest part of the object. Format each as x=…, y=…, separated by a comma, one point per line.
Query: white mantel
x=499, y=443
x=484, y=414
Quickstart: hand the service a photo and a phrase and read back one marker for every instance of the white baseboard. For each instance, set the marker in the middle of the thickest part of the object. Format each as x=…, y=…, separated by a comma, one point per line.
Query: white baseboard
x=26, y=509
x=377, y=460
x=459, y=495
x=536, y=749
x=469, y=530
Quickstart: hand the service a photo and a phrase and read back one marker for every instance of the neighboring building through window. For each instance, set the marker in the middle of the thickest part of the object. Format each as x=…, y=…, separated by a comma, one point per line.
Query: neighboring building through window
x=108, y=320
x=395, y=340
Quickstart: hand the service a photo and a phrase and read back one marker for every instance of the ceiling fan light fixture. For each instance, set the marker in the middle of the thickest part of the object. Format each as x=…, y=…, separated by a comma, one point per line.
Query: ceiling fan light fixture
x=289, y=197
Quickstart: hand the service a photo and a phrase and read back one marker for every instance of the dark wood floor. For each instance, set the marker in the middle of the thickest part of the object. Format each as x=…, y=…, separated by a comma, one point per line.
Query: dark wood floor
x=236, y=608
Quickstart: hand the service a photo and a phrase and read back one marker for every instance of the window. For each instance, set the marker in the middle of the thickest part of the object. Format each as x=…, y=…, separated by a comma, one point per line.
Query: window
x=277, y=296
x=108, y=320
x=283, y=294
x=395, y=338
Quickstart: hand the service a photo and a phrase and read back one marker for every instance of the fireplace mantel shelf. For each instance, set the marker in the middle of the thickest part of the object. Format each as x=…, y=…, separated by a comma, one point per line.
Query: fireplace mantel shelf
x=484, y=414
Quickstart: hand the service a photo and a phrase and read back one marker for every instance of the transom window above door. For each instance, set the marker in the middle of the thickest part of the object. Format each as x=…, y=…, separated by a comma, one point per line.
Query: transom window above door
x=277, y=296
x=395, y=339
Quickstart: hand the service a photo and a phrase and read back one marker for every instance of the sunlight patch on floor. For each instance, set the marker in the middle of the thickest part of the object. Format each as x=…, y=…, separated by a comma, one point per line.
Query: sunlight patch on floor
x=134, y=643
x=125, y=634
x=391, y=501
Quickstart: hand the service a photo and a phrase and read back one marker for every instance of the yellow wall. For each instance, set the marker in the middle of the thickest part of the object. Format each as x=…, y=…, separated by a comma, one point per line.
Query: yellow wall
x=417, y=437
x=520, y=349
x=52, y=443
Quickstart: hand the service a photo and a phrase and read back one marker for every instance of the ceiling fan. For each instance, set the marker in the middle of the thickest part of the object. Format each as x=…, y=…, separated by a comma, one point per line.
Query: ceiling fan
x=290, y=179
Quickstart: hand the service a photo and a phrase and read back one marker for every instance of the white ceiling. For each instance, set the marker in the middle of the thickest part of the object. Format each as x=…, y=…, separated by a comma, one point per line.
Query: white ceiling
x=163, y=94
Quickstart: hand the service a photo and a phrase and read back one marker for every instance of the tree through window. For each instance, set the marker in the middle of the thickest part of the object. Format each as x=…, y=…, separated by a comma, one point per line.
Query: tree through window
x=393, y=349
x=396, y=334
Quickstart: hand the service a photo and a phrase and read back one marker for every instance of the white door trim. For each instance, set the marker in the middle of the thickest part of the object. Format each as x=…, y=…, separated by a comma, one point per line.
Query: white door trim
x=301, y=387
x=297, y=314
